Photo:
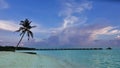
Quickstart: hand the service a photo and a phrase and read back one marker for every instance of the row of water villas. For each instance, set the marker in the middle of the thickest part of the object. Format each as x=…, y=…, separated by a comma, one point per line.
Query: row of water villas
x=75, y=49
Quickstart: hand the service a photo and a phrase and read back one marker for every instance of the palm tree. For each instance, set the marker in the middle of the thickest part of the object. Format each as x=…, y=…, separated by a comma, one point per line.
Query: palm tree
x=25, y=29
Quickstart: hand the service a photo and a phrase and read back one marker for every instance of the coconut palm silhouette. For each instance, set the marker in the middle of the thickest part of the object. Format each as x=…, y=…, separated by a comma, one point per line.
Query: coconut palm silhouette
x=24, y=29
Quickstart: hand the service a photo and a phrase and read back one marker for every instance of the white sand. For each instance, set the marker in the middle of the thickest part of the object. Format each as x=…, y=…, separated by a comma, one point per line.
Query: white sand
x=23, y=60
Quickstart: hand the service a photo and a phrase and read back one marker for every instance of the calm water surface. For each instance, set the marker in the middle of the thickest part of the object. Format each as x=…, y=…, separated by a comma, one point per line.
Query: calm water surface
x=87, y=58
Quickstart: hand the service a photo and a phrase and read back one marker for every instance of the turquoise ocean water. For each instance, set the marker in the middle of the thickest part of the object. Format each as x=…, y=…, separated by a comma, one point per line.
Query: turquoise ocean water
x=87, y=58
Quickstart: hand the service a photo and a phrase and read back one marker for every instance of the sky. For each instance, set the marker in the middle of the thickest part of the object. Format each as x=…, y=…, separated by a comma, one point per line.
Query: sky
x=62, y=23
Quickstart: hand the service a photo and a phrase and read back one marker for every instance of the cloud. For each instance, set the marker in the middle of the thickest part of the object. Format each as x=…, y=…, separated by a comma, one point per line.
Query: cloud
x=71, y=6
x=3, y=4
x=13, y=26
x=69, y=11
x=117, y=37
x=83, y=36
x=108, y=30
x=68, y=33
x=8, y=25
x=69, y=19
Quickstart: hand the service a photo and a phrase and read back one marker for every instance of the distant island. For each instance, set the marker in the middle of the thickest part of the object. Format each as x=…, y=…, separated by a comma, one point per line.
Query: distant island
x=11, y=48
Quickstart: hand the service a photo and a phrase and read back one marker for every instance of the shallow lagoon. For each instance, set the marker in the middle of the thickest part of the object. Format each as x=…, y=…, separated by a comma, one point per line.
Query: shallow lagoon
x=86, y=58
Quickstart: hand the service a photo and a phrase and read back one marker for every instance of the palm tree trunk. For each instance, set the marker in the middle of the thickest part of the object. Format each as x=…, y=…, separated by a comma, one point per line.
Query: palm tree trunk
x=19, y=42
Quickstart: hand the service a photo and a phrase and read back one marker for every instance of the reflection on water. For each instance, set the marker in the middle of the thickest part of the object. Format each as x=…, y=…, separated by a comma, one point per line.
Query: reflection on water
x=87, y=58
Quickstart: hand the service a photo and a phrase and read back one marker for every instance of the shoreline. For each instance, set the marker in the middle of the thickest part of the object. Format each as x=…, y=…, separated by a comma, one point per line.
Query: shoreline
x=18, y=60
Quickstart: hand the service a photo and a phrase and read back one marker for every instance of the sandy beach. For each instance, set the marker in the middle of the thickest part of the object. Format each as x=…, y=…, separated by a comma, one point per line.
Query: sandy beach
x=23, y=60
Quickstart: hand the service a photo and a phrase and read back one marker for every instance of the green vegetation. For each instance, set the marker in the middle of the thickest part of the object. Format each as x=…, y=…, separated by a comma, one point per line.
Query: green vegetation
x=11, y=48
x=25, y=28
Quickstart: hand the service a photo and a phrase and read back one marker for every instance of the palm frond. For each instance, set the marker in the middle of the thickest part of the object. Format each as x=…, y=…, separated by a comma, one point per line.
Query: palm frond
x=26, y=20
x=26, y=28
x=20, y=29
x=17, y=31
x=30, y=32
x=30, y=22
x=33, y=26
x=21, y=33
x=21, y=23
